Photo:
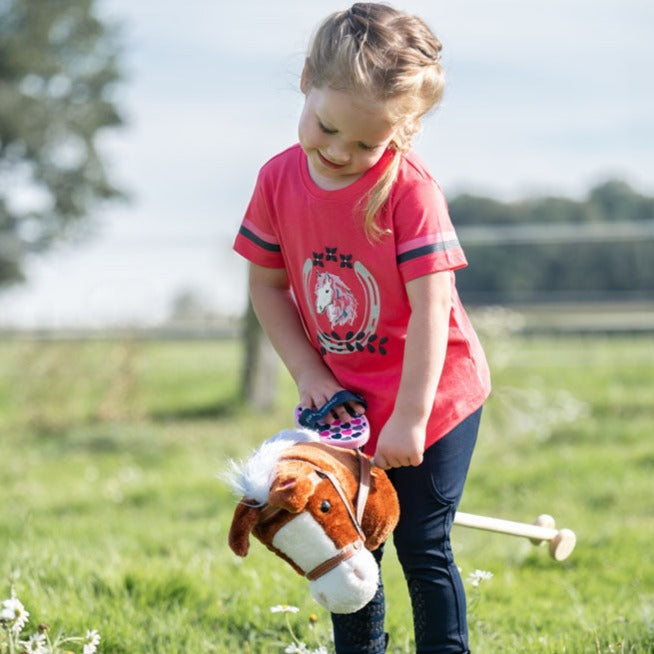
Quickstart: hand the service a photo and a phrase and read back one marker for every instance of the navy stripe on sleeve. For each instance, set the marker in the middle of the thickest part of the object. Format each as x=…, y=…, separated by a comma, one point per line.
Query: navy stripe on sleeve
x=271, y=247
x=427, y=249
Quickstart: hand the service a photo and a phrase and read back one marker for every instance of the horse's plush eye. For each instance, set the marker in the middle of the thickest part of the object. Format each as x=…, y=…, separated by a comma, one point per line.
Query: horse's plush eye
x=325, y=506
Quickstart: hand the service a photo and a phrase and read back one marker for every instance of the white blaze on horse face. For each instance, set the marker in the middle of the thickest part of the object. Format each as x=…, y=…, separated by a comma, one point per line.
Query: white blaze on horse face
x=349, y=586
x=305, y=542
x=346, y=588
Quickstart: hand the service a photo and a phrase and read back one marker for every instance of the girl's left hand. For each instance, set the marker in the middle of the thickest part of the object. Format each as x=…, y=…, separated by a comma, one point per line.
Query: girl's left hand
x=401, y=443
x=402, y=439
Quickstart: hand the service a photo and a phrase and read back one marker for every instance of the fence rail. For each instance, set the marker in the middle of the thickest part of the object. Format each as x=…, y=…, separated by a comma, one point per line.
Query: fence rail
x=543, y=317
x=556, y=233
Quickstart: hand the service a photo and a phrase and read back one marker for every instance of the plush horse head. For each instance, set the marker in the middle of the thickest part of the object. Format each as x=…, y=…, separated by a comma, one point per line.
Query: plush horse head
x=320, y=508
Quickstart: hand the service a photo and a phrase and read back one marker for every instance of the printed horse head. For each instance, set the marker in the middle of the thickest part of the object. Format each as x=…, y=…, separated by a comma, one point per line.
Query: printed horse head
x=335, y=298
x=300, y=500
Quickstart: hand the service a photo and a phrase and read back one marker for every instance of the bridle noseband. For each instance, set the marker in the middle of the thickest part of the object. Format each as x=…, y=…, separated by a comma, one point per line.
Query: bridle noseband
x=355, y=513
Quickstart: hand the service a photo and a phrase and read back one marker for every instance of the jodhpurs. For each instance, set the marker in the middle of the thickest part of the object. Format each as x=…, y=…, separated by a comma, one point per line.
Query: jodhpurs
x=429, y=495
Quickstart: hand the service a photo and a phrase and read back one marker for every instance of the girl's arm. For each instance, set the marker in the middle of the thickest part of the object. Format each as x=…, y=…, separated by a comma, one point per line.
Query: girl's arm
x=278, y=315
x=402, y=439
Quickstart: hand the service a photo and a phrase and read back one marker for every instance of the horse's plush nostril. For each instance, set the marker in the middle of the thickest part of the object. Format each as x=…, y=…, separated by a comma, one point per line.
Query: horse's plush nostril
x=358, y=572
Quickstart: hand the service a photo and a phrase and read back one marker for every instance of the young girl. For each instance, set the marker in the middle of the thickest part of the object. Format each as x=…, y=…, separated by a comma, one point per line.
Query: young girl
x=352, y=254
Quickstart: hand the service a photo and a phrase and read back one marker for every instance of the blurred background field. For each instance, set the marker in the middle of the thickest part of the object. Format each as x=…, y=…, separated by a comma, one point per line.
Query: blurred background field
x=113, y=518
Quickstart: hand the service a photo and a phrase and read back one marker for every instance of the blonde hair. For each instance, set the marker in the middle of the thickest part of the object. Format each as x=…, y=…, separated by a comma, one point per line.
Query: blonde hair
x=378, y=53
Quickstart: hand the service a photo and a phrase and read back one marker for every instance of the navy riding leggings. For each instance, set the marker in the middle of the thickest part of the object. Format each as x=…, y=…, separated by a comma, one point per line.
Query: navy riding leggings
x=429, y=495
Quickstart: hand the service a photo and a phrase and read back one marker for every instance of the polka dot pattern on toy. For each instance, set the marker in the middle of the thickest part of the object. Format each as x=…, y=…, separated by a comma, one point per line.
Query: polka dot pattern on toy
x=351, y=434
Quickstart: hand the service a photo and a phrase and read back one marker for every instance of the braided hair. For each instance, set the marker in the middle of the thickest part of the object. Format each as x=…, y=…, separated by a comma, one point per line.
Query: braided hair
x=384, y=55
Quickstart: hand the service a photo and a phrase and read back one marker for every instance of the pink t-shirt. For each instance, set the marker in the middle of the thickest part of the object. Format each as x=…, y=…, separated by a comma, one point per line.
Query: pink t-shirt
x=350, y=291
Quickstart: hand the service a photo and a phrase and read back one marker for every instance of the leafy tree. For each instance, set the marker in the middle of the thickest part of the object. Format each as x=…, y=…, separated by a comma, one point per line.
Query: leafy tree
x=58, y=66
x=616, y=200
x=504, y=270
x=611, y=201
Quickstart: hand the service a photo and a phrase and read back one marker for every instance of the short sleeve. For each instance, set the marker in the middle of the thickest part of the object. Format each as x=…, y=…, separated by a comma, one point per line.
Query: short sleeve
x=425, y=239
x=257, y=240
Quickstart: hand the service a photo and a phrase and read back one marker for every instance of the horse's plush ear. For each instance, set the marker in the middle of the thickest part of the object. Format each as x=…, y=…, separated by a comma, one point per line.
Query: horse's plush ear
x=244, y=520
x=291, y=491
x=382, y=510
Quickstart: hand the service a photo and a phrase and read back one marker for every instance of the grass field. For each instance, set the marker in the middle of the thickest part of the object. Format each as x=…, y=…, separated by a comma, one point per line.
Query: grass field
x=112, y=517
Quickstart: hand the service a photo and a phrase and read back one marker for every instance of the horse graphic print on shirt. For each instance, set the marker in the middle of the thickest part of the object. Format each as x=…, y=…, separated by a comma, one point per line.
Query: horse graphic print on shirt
x=334, y=297
x=344, y=303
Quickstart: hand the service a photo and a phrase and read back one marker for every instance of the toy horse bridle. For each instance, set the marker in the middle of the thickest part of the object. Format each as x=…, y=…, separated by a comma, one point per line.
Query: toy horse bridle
x=269, y=512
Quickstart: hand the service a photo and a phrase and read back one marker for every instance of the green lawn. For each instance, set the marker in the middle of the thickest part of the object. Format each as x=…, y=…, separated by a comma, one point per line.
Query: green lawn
x=112, y=516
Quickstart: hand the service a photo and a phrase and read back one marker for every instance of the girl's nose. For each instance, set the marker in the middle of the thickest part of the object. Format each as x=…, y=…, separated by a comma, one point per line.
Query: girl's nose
x=338, y=154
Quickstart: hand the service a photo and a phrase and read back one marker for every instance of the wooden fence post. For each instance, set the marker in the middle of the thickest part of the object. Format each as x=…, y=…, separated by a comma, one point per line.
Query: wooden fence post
x=260, y=375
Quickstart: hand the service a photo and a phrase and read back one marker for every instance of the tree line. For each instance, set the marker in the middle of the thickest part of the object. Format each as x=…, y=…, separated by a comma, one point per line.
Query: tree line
x=599, y=247
x=59, y=66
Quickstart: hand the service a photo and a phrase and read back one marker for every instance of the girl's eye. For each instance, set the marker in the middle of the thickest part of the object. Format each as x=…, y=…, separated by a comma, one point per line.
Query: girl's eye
x=367, y=148
x=326, y=130
x=325, y=506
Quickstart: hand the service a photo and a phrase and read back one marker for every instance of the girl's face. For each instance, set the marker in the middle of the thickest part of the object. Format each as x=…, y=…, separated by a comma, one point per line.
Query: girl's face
x=342, y=137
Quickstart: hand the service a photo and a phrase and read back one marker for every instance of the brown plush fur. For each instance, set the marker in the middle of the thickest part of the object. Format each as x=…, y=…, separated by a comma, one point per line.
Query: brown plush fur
x=295, y=489
x=244, y=520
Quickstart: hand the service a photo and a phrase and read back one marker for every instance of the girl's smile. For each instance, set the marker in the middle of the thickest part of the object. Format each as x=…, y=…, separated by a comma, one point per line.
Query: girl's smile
x=328, y=163
x=342, y=136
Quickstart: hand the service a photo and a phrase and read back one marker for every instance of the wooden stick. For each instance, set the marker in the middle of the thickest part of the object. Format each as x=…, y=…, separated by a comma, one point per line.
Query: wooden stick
x=562, y=541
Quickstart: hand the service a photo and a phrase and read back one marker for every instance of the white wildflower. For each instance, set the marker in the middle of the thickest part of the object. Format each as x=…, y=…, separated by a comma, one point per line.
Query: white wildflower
x=476, y=577
x=91, y=641
x=37, y=644
x=14, y=614
x=321, y=650
x=284, y=608
x=296, y=648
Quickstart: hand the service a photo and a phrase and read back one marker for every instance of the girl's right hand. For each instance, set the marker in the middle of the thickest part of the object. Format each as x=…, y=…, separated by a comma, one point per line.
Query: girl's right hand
x=317, y=387
x=277, y=312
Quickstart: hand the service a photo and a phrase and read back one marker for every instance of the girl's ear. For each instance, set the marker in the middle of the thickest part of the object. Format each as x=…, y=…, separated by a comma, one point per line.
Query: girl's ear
x=304, y=80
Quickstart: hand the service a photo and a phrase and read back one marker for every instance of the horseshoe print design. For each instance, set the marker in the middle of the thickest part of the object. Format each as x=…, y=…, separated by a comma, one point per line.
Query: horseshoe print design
x=359, y=337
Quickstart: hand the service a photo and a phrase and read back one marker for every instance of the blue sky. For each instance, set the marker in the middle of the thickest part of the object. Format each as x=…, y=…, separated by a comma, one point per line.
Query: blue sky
x=542, y=97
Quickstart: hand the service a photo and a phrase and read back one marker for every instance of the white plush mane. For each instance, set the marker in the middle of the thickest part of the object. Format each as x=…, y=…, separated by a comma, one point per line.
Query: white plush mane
x=252, y=479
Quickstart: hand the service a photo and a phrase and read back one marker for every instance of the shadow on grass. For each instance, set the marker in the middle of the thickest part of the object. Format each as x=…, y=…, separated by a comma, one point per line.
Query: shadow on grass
x=97, y=438
x=225, y=409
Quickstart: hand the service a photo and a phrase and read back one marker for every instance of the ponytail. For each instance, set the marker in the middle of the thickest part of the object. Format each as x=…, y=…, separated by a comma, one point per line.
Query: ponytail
x=375, y=51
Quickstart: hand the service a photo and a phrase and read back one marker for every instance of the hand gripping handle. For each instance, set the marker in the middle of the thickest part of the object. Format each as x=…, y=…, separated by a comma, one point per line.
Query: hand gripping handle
x=311, y=418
